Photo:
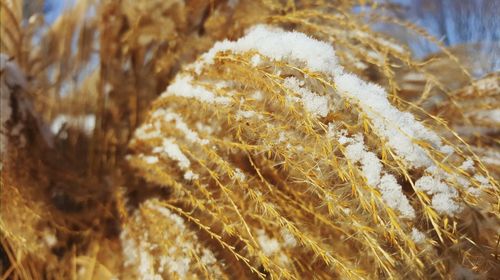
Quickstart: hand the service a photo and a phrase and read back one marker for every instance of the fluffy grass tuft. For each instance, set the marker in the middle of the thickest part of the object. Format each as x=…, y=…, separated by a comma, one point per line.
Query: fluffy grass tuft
x=241, y=139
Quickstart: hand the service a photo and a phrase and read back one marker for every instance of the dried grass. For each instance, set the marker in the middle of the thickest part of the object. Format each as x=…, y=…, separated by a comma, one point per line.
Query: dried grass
x=71, y=206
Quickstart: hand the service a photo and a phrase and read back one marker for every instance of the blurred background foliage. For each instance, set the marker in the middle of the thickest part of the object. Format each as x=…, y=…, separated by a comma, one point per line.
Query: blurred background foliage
x=470, y=27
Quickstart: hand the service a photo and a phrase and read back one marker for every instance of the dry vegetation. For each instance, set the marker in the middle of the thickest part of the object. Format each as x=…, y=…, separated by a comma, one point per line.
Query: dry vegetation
x=134, y=146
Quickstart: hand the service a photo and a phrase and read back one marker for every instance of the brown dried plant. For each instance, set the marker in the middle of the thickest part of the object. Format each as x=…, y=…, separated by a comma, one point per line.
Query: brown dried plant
x=271, y=155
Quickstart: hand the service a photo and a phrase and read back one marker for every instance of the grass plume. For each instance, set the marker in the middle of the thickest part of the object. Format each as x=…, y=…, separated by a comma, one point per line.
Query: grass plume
x=141, y=144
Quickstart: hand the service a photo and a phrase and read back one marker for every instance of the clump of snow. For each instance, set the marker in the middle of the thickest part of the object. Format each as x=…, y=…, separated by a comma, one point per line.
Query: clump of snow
x=146, y=264
x=180, y=266
x=208, y=257
x=277, y=44
x=49, y=238
x=172, y=150
x=417, y=236
x=392, y=194
x=183, y=86
x=400, y=129
x=443, y=196
x=242, y=114
x=239, y=175
x=204, y=128
x=488, y=115
x=150, y=159
x=371, y=167
x=255, y=60
x=288, y=238
x=190, y=175
x=271, y=247
x=176, y=219
x=485, y=183
x=86, y=123
x=129, y=247
x=370, y=163
x=445, y=203
x=223, y=84
x=169, y=116
x=313, y=103
x=467, y=165
x=174, y=263
x=268, y=245
x=282, y=137
x=178, y=259
x=150, y=259
x=147, y=132
x=257, y=95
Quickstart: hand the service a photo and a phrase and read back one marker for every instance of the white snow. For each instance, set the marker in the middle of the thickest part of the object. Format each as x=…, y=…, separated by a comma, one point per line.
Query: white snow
x=182, y=86
x=208, y=257
x=239, y=175
x=176, y=219
x=313, y=103
x=255, y=60
x=86, y=123
x=146, y=265
x=417, y=236
x=172, y=150
x=147, y=132
x=288, y=238
x=488, y=115
x=444, y=196
x=467, y=165
x=277, y=44
x=204, y=128
x=168, y=116
x=268, y=245
x=392, y=194
x=371, y=167
x=129, y=247
x=180, y=266
x=247, y=114
x=150, y=159
x=258, y=95
x=190, y=175
x=49, y=238
x=398, y=128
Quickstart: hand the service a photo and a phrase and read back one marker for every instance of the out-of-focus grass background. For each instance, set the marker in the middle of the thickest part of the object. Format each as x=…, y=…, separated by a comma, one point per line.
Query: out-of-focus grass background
x=470, y=26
